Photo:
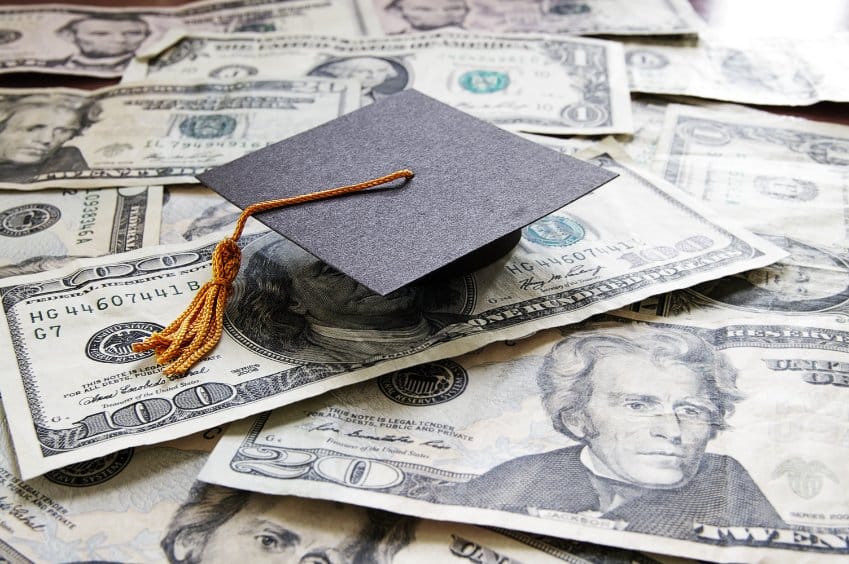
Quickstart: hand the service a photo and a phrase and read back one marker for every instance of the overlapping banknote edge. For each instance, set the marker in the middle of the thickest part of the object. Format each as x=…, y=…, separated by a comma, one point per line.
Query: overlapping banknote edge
x=367, y=20
x=24, y=435
x=622, y=118
x=692, y=23
x=178, y=174
x=249, y=434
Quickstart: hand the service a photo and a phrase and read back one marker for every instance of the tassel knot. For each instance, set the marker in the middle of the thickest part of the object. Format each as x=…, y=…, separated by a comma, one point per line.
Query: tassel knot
x=198, y=329
x=226, y=260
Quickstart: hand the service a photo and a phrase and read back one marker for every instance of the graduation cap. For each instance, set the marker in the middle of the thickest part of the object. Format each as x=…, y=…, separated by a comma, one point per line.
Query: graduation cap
x=464, y=191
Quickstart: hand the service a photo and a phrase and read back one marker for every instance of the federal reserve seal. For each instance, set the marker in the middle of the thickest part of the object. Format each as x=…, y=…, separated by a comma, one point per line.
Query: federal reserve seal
x=554, y=231
x=21, y=221
x=427, y=384
x=114, y=344
x=484, y=81
x=208, y=127
x=91, y=472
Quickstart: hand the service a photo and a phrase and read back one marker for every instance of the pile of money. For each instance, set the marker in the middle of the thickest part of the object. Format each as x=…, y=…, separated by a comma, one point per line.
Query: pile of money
x=656, y=372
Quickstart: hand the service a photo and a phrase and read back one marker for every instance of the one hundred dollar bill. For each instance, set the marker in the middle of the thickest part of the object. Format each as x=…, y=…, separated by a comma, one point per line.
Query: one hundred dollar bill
x=722, y=441
x=94, y=41
x=778, y=71
x=610, y=17
x=543, y=84
x=44, y=229
x=295, y=329
x=780, y=176
x=154, y=133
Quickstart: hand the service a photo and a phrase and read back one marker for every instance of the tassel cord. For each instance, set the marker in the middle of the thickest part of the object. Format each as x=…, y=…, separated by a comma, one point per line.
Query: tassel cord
x=199, y=328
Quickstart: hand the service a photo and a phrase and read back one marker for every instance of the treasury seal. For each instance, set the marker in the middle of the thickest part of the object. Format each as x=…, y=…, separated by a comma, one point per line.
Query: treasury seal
x=428, y=384
x=208, y=127
x=114, y=344
x=91, y=472
x=484, y=81
x=554, y=231
x=21, y=221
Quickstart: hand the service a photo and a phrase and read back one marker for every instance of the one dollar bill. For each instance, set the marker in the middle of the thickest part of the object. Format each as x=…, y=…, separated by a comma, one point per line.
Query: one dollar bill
x=154, y=133
x=766, y=71
x=630, y=239
x=542, y=84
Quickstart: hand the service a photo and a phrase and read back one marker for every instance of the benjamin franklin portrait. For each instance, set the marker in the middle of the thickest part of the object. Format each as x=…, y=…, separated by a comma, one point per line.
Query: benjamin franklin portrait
x=290, y=306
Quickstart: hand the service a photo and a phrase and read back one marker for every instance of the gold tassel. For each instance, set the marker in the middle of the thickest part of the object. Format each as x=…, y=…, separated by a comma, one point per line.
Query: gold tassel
x=198, y=329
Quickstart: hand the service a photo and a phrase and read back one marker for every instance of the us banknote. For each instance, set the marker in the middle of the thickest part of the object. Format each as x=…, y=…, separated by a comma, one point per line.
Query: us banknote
x=42, y=230
x=191, y=212
x=295, y=328
x=778, y=71
x=648, y=115
x=730, y=445
x=776, y=175
x=89, y=40
x=543, y=84
x=654, y=17
x=143, y=505
x=154, y=133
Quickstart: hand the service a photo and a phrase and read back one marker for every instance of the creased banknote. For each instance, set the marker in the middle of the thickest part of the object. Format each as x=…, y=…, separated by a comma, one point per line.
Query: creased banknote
x=776, y=175
x=648, y=114
x=115, y=508
x=778, y=71
x=786, y=179
x=191, y=212
x=44, y=229
x=610, y=17
x=140, y=134
x=143, y=505
x=543, y=84
x=95, y=41
x=296, y=328
x=717, y=440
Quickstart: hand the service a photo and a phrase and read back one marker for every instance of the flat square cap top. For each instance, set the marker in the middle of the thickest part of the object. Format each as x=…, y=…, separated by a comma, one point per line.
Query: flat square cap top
x=473, y=184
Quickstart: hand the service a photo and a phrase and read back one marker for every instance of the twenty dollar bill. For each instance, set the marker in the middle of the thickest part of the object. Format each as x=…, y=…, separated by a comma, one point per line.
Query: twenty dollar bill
x=154, y=133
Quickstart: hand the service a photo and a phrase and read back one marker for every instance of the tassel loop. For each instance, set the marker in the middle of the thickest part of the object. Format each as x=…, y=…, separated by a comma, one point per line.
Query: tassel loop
x=198, y=329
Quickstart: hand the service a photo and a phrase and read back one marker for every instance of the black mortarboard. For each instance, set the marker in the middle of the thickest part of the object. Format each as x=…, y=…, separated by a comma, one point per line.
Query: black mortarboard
x=474, y=184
